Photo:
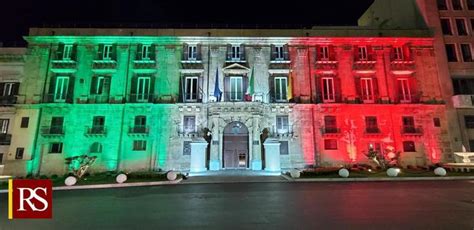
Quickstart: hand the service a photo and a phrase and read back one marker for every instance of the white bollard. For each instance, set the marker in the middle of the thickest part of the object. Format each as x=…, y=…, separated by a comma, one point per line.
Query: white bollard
x=70, y=180
x=440, y=171
x=344, y=173
x=171, y=176
x=295, y=173
x=121, y=178
x=393, y=172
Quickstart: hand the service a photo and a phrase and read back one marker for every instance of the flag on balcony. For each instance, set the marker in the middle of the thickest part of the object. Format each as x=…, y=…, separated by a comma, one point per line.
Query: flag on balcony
x=250, y=88
x=217, y=90
x=289, y=94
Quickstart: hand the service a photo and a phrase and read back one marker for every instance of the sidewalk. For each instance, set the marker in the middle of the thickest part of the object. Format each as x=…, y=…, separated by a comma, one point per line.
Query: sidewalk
x=375, y=179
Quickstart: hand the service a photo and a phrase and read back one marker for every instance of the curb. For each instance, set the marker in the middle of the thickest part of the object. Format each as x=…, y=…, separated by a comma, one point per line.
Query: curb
x=379, y=179
x=103, y=186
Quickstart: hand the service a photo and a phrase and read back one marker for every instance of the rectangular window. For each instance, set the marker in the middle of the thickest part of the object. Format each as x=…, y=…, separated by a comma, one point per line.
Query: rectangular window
x=56, y=125
x=67, y=52
x=404, y=90
x=235, y=54
x=282, y=124
x=25, y=121
x=456, y=4
x=469, y=122
x=9, y=88
x=442, y=5
x=436, y=122
x=140, y=124
x=284, y=148
x=461, y=26
x=281, y=88
x=192, y=52
x=1, y=158
x=330, y=144
x=100, y=85
x=446, y=26
x=324, y=53
x=328, y=89
x=143, y=89
x=470, y=4
x=398, y=53
x=191, y=87
x=61, y=88
x=4, y=126
x=371, y=124
x=56, y=147
x=463, y=86
x=98, y=124
x=19, y=153
x=189, y=123
x=451, y=52
x=139, y=145
x=367, y=90
x=409, y=146
x=236, y=89
x=146, y=52
x=279, y=53
x=466, y=52
x=107, y=52
x=187, y=148
x=330, y=124
x=362, y=53
x=471, y=145
x=408, y=125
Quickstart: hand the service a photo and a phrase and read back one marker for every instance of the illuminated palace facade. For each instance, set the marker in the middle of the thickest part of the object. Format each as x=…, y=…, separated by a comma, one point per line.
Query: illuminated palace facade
x=142, y=99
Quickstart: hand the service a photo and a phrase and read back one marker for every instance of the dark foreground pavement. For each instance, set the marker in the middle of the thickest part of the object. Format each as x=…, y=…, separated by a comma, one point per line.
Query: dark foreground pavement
x=360, y=205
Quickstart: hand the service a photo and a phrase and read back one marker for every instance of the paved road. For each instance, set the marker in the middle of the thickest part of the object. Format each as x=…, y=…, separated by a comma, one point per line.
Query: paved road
x=362, y=205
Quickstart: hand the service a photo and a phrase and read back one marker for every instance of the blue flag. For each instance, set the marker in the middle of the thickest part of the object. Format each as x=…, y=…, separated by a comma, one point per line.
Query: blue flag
x=217, y=90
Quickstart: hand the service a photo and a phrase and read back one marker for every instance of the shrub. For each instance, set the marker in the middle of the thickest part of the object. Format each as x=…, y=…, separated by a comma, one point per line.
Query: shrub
x=43, y=177
x=54, y=177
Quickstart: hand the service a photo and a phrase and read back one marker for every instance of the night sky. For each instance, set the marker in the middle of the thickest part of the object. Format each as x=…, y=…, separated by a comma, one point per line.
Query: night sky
x=17, y=16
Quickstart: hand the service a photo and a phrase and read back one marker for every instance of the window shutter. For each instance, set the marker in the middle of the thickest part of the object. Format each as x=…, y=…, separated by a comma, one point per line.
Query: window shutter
x=152, y=52
x=356, y=53
x=113, y=54
x=200, y=88
x=271, y=84
x=60, y=51
x=94, y=85
x=413, y=90
x=245, y=83
x=319, y=89
x=242, y=52
x=152, y=93
x=139, y=52
x=181, y=89
x=133, y=89
x=358, y=86
x=198, y=52
x=74, y=52
x=337, y=89
x=332, y=53
x=185, y=52
x=52, y=84
x=227, y=88
x=15, y=88
x=100, y=52
x=2, y=88
x=370, y=53
x=229, y=51
x=273, y=52
x=70, y=90
x=392, y=53
x=286, y=52
x=376, y=87
x=407, y=54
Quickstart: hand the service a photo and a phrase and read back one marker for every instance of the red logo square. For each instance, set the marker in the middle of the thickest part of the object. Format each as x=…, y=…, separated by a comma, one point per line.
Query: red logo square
x=30, y=199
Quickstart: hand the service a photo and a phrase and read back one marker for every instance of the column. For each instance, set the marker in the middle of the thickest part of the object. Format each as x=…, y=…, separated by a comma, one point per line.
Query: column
x=255, y=144
x=198, y=155
x=272, y=155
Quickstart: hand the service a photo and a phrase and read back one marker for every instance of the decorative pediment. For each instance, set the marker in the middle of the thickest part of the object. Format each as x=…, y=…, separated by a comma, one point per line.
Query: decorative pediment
x=236, y=68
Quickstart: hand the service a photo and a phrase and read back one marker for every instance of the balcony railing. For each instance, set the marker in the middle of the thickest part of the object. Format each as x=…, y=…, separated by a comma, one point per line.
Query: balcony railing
x=139, y=129
x=236, y=96
x=372, y=130
x=52, y=130
x=190, y=98
x=330, y=130
x=187, y=131
x=282, y=131
x=278, y=98
x=96, y=130
x=412, y=130
x=8, y=100
x=140, y=98
x=5, y=139
x=57, y=98
x=98, y=99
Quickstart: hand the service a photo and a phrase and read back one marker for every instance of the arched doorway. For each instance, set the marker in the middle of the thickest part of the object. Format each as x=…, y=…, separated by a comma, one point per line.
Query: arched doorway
x=236, y=146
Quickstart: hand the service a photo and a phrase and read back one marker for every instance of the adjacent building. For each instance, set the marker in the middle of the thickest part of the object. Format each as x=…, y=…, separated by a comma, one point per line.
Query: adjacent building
x=140, y=98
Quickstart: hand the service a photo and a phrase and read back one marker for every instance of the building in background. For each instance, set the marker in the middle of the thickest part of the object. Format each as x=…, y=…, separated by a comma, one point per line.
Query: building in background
x=140, y=99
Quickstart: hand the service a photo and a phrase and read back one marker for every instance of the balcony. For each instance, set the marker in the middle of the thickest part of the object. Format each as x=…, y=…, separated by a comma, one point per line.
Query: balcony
x=139, y=130
x=327, y=99
x=330, y=131
x=140, y=98
x=326, y=66
x=463, y=101
x=408, y=99
x=144, y=64
x=278, y=98
x=185, y=131
x=52, y=130
x=366, y=65
x=8, y=100
x=98, y=130
x=282, y=131
x=5, y=139
x=236, y=96
x=411, y=131
x=57, y=98
x=190, y=98
x=402, y=67
x=98, y=99
x=64, y=64
x=104, y=64
x=372, y=131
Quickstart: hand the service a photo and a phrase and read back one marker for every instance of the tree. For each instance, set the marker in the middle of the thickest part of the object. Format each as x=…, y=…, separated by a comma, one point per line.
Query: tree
x=79, y=165
x=388, y=158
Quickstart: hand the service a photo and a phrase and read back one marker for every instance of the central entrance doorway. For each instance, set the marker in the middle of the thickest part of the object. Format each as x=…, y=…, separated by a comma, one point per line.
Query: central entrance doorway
x=236, y=146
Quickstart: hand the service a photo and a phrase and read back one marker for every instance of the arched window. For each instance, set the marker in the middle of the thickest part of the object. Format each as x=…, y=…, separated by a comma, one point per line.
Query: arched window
x=96, y=147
